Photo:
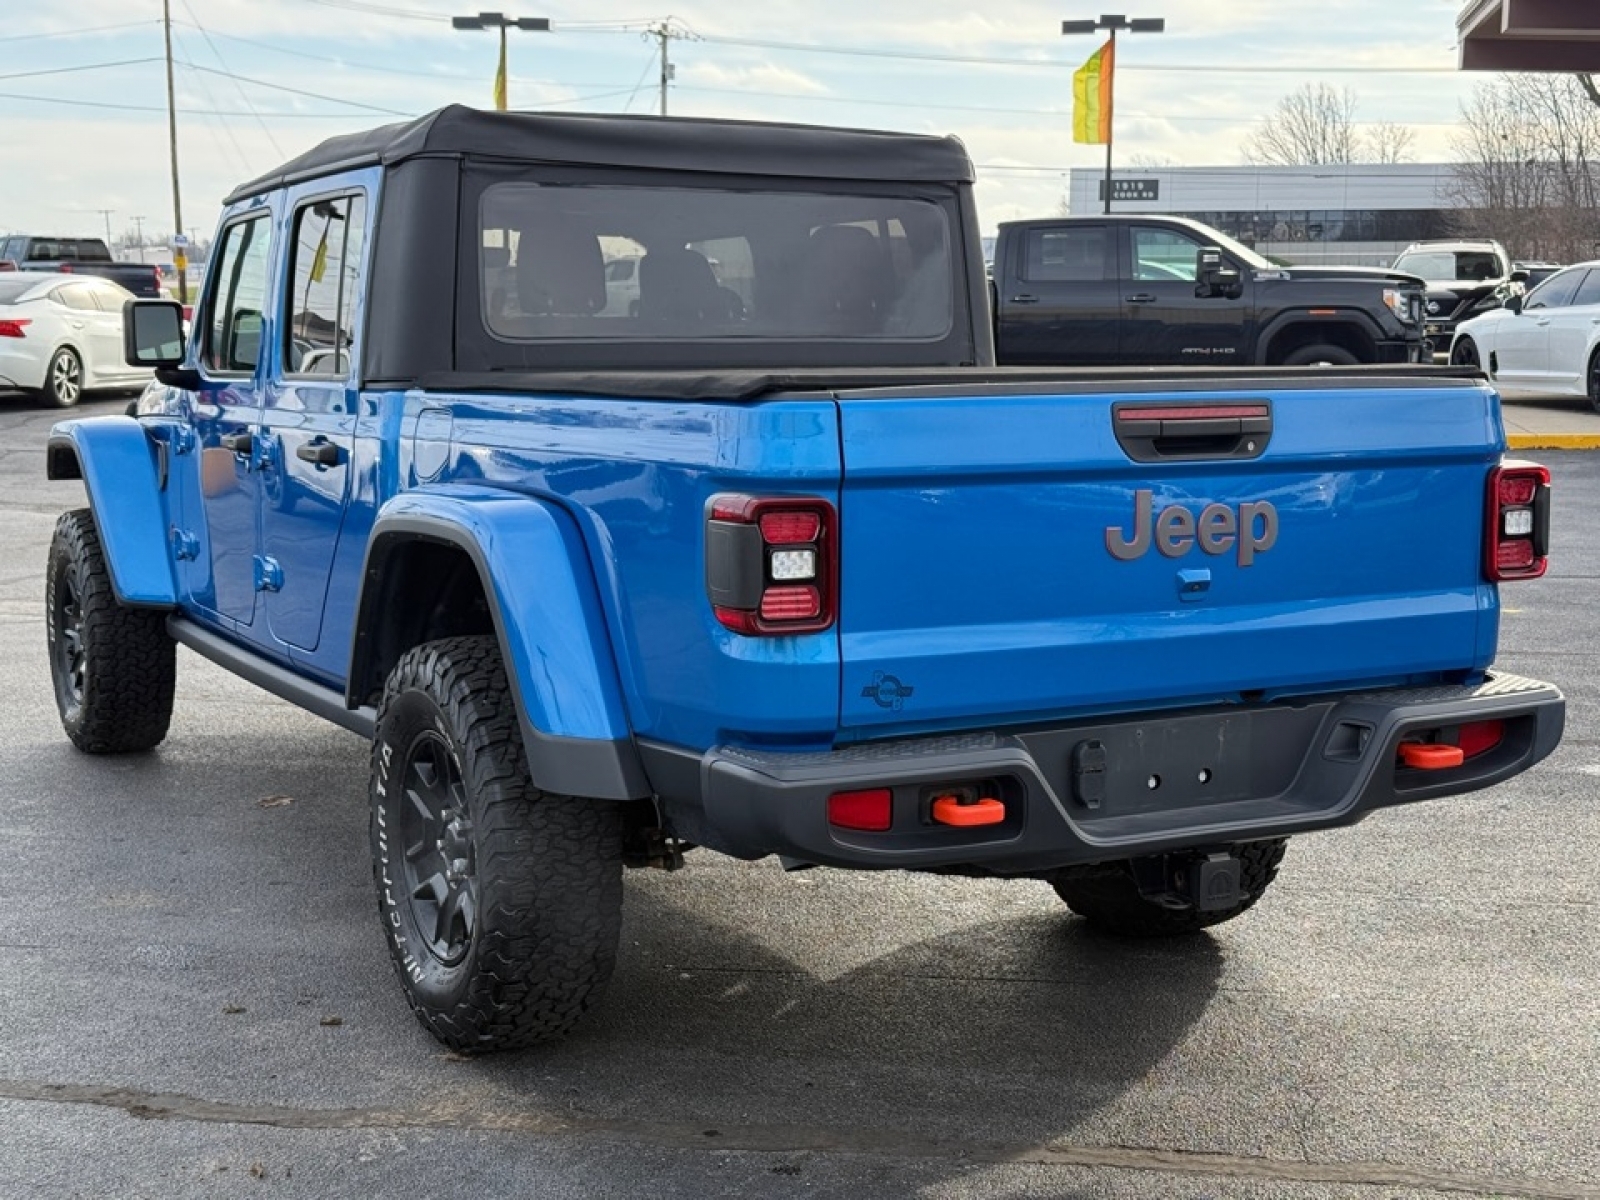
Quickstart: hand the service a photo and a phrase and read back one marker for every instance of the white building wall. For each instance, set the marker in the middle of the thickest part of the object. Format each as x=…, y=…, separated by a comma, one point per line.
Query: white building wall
x=1301, y=214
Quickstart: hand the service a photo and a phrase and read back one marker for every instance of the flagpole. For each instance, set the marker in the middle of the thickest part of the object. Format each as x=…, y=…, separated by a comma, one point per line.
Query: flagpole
x=1111, y=113
x=1108, y=68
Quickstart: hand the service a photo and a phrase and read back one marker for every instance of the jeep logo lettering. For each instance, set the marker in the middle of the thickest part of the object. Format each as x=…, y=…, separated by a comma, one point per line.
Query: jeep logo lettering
x=1175, y=530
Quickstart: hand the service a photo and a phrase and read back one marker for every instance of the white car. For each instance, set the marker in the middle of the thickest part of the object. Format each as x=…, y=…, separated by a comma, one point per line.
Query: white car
x=1547, y=341
x=61, y=335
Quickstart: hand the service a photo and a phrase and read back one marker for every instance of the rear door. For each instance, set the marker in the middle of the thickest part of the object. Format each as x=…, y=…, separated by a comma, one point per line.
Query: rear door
x=1168, y=323
x=1007, y=557
x=309, y=412
x=1059, y=301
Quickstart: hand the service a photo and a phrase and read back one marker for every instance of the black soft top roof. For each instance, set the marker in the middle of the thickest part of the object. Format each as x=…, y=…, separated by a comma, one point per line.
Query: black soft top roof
x=662, y=143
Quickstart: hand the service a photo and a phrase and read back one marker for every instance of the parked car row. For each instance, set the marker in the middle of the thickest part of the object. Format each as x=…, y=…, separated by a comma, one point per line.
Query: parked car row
x=1547, y=340
x=61, y=335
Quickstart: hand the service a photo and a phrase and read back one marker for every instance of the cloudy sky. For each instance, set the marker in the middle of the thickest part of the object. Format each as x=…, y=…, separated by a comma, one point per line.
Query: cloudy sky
x=83, y=87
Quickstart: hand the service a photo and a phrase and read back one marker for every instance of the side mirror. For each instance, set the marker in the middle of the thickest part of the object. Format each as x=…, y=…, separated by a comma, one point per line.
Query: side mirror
x=1519, y=276
x=152, y=333
x=1212, y=274
x=1514, y=303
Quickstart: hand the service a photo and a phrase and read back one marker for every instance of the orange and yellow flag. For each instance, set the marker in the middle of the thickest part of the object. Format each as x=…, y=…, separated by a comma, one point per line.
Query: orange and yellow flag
x=1091, y=98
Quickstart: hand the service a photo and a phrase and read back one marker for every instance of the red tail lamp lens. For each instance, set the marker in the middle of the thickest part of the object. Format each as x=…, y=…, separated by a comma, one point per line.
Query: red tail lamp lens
x=1517, y=489
x=790, y=604
x=790, y=528
x=1513, y=556
x=14, y=328
x=1480, y=736
x=869, y=810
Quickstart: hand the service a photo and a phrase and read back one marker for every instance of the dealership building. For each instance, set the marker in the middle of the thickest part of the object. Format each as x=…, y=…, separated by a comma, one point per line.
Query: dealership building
x=1352, y=213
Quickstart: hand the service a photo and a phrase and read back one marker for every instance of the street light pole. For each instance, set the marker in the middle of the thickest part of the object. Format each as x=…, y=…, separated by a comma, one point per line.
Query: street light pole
x=494, y=20
x=1112, y=22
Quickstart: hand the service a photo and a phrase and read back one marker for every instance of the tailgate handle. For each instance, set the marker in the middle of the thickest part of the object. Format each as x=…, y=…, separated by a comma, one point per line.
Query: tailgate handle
x=1187, y=432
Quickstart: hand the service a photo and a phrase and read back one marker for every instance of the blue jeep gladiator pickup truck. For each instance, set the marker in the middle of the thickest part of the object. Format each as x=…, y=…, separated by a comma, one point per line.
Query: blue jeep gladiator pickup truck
x=770, y=559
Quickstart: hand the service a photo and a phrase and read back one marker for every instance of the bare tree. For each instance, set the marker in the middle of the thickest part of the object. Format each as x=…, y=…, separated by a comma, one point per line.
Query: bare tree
x=1387, y=142
x=1529, y=171
x=1311, y=126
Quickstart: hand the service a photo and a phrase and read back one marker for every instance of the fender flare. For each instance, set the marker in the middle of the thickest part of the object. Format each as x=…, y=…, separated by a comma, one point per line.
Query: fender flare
x=1347, y=316
x=123, y=473
x=547, y=616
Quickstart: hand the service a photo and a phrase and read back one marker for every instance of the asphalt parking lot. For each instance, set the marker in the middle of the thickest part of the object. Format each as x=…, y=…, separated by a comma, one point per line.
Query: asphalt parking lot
x=197, y=1003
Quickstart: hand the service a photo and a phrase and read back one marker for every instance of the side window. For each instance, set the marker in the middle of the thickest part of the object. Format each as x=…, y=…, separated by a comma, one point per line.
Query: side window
x=233, y=328
x=1555, y=292
x=324, y=284
x=1074, y=253
x=75, y=296
x=109, y=297
x=1162, y=255
x=1589, y=290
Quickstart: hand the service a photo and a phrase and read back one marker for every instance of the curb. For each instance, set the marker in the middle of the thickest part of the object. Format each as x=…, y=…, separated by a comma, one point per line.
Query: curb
x=1553, y=441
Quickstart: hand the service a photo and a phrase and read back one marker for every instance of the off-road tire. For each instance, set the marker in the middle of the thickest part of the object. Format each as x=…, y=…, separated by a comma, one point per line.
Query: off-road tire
x=543, y=872
x=1107, y=897
x=1320, y=354
x=114, y=667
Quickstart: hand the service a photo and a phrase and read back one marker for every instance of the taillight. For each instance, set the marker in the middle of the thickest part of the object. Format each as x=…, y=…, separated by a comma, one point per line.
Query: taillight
x=772, y=563
x=1517, y=534
x=65, y=269
x=14, y=328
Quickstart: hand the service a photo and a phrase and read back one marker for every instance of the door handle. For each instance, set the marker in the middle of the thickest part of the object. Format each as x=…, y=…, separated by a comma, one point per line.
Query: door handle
x=239, y=443
x=320, y=451
x=1546, y=321
x=1025, y=299
x=1141, y=298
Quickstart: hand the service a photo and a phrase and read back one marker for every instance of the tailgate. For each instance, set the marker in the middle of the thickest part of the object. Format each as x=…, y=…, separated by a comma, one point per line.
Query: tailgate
x=1004, y=558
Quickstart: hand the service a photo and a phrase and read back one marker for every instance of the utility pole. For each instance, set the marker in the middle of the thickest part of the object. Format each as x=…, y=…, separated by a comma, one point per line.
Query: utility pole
x=1112, y=22
x=138, y=232
x=664, y=33
x=180, y=260
x=106, y=214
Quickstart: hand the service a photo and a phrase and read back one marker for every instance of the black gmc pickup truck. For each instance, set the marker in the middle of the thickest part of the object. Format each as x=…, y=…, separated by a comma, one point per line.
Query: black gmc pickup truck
x=1165, y=290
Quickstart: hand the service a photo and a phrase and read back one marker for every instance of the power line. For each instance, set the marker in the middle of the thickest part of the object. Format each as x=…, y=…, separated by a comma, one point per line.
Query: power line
x=63, y=33
x=382, y=10
x=392, y=112
x=224, y=65
x=103, y=66
x=190, y=112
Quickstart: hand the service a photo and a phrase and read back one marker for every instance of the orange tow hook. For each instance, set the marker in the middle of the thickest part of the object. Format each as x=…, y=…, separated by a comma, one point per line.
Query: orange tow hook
x=1427, y=757
x=949, y=810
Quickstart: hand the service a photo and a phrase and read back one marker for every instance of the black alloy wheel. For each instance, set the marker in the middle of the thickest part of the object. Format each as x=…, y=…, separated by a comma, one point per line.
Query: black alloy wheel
x=1594, y=381
x=438, y=866
x=1464, y=353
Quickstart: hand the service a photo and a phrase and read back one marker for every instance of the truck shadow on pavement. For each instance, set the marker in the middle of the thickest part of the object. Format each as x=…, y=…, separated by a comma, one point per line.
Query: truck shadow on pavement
x=1010, y=1029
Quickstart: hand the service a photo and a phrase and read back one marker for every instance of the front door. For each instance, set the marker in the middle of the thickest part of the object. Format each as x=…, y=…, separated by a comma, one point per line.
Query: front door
x=308, y=420
x=1168, y=321
x=217, y=473
x=1522, y=342
x=1572, y=332
x=1060, y=300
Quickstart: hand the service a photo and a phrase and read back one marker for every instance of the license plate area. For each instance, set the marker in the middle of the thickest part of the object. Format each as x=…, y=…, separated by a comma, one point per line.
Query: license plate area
x=1114, y=771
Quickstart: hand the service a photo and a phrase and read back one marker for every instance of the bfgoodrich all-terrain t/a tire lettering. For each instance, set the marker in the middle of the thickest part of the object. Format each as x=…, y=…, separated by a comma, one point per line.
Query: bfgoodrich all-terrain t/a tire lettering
x=114, y=667
x=1108, y=897
x=501, y=904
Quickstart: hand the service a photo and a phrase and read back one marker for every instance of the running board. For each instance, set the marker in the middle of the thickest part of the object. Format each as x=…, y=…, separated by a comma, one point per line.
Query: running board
x=321, y=701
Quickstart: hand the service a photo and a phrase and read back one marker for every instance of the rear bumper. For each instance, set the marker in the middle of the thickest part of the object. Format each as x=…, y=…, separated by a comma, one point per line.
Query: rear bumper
x=1166, y=782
